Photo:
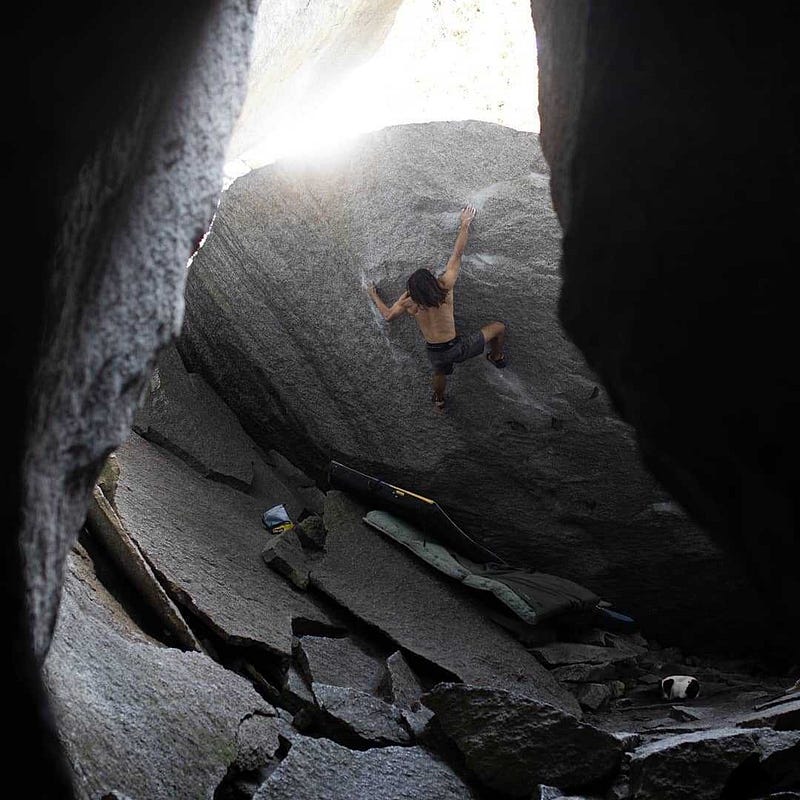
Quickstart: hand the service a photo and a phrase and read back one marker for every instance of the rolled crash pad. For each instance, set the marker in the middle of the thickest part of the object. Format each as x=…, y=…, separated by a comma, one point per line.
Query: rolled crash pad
x=422, y=512
x=532, y=596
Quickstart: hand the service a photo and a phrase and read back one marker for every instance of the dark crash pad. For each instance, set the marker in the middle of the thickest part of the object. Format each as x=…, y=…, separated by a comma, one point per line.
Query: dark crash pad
x=422, y=511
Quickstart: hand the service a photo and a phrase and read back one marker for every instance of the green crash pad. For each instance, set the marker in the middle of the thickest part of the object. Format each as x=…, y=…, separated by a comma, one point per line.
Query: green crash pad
x=533, y=597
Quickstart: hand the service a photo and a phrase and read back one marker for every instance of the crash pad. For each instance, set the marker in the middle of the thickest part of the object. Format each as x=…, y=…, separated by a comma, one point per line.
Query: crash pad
x=533, y=597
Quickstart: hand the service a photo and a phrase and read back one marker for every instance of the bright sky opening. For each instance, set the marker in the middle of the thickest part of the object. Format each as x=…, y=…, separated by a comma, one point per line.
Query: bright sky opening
x=441, y=60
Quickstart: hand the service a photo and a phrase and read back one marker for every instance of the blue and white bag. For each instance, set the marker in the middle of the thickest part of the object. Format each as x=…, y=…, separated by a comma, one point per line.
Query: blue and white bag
x=276, y=519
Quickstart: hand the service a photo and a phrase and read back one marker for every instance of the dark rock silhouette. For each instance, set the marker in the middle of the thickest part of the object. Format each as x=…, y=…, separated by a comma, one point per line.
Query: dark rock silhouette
x=672, y=137
x=124, y=119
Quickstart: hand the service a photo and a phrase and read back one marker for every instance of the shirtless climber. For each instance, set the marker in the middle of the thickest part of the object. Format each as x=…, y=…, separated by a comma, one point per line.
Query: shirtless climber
x=430, y=300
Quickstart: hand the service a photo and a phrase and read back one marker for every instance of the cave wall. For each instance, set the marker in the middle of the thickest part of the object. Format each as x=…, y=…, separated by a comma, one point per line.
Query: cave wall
x=114, y=167
x=672, y=137
x=142, y=197
x=677, y=195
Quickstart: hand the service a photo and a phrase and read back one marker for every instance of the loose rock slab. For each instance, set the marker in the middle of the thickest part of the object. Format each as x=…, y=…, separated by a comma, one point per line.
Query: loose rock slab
x=593, y=696
x=404, y=685
x=205, y=540
x=512, y=743
x=321, y=769
x=284, y=554
x=782, y=717
x=102, y=521
x=559, y=654
x=181, y=412
x=141, y=719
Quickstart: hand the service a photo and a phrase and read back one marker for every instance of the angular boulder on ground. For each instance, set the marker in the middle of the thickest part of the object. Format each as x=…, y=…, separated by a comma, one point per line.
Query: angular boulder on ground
x=361, y=718
x=295, y=693
x=779, y=759
x=558, y=654
x=512, y=743
x=405, y=691
x=324, y=770
x=284, y=554
x=311, y=530
x=139, y=718
x=781, y=716
x=593, y=696
x=338, y=662
x=700, y=765
x=278, y=322
x=404, y=686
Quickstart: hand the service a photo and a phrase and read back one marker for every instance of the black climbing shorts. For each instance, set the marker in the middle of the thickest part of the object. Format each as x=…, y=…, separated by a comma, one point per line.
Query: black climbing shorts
x=443, y=356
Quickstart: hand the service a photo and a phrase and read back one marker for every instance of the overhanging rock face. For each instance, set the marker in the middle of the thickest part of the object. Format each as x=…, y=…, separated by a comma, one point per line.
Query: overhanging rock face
x=531, y=460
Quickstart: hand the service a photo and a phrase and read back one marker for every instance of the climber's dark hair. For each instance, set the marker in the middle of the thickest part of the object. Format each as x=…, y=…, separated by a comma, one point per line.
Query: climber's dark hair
x=425, y=289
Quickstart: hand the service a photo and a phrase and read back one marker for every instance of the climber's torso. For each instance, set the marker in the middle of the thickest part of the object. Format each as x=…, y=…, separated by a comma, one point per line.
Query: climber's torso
x=437, y=324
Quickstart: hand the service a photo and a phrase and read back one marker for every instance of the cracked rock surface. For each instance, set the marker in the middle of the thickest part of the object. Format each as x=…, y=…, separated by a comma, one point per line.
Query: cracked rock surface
x=139, y=718
x=378, y=679
x=182, y=411
x=205, y=539
x=324, y=770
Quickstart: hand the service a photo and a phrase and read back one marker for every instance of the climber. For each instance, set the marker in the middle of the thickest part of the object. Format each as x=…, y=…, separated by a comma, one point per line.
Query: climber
x=429, y=299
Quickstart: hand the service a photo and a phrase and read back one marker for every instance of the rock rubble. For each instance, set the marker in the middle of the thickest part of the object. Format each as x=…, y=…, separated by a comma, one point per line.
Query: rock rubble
x=359, y=672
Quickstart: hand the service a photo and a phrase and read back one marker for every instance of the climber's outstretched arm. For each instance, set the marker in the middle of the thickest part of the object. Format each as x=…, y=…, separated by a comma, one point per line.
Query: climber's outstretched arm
x=450, y=275
x=396, y=310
